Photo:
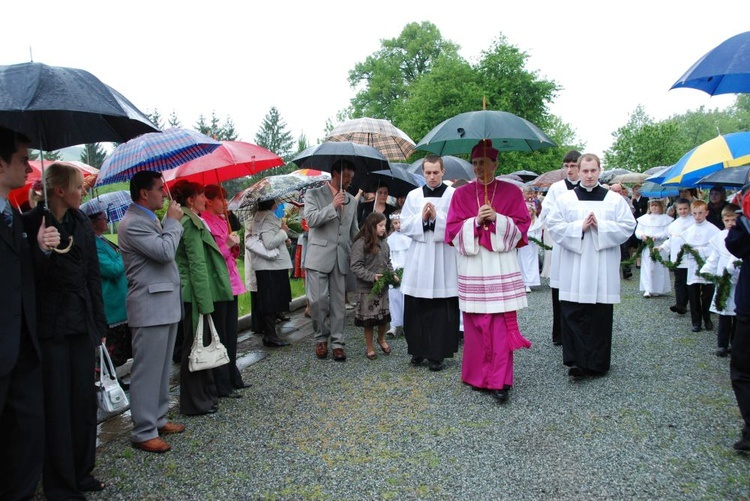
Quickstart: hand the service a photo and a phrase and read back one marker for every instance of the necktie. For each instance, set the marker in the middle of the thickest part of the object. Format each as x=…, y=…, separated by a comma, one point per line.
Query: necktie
x=8, y=215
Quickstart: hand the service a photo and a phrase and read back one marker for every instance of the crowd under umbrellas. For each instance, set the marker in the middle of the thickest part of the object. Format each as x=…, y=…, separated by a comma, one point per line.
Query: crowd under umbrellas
x=59, y=107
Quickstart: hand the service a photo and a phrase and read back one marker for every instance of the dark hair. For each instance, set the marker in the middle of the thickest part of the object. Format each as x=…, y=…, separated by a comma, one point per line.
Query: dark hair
x=143, y=180
x=718, y=188
x=266, y=204
x=682, y=201
x=693, y=191
x=729, y=210
x=10, y=140
x=433, y=159
x=369, y=232
x=341, y=165
x=184, y=190
x=571, y=156
x=215, y=191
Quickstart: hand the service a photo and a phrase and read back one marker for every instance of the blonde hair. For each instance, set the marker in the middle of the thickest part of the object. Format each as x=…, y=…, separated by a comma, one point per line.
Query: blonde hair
x=62, y=175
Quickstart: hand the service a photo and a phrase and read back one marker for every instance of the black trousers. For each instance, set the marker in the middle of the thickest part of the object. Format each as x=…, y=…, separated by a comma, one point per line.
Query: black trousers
x=70, y=414
x=725, y=330
x=21, y=425
x=197, y=389
x=681, y=287
x=700, y=302
x=587, y=335
x=227, y=377
x=739, y=368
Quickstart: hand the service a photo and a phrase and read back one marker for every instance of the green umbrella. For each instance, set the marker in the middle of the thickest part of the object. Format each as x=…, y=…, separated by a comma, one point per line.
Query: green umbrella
x=507, y=131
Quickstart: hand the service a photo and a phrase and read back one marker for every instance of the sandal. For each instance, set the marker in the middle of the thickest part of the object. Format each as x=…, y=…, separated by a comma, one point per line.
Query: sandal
x=384, y=346
x=371, y=355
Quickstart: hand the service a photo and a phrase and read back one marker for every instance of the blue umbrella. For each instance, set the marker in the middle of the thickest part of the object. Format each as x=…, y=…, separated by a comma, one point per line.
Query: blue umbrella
x=157, y=151
x=651, y=189
x=114, y=204
x=725, y=69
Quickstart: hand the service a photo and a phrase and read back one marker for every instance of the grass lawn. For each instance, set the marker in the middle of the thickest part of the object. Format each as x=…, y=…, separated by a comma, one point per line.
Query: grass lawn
x=297, y=284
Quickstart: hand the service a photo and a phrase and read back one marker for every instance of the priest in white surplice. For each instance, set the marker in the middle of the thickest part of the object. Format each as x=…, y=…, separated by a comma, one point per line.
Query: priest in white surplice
x=589, y=223
x=430, y=281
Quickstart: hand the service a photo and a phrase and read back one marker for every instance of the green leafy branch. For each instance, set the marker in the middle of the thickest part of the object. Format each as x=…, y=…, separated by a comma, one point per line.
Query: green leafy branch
x=723, y=282
x=386, y=279
x=540, y=243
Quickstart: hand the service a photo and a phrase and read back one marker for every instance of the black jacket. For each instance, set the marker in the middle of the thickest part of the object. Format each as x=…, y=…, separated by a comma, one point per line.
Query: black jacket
x=68, y=286
x=738, y=243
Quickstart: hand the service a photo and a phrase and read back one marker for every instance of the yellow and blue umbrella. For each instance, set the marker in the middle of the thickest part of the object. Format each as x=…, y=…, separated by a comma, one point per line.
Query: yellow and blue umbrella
x=729, y=150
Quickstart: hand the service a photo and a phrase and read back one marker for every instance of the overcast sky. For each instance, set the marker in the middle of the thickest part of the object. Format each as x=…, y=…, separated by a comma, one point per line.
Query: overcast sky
x=240, y=58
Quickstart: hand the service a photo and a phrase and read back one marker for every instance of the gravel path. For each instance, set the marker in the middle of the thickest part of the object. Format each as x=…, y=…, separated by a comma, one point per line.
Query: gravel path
x=659, y=426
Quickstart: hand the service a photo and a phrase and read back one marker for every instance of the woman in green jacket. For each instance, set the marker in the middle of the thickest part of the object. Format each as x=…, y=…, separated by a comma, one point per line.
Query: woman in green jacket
x=205, y=288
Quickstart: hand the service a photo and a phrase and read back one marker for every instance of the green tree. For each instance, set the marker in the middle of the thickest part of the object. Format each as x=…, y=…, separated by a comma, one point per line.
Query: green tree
x=49, y=156
x=273, y=135
x=642, y=144
x=93, y=154
x=385, y=76
x=156, y=119
x=215, y=129
x=173, y=120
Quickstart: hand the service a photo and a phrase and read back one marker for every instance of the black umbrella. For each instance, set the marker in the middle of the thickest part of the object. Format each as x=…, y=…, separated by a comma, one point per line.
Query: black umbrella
x=398, y=180
x=58, y=107
x=526, y=175
x=455, y=168
x=733, y=177
x=323, y=156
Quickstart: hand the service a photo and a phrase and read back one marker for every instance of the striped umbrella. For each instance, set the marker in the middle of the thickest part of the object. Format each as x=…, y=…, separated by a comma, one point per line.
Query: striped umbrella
x=156, y=151
x=381, y=134
x=114, y=203
x=729, y=150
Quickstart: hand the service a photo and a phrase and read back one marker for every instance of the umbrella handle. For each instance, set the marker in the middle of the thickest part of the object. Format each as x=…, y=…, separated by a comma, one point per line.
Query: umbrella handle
x=66, y=249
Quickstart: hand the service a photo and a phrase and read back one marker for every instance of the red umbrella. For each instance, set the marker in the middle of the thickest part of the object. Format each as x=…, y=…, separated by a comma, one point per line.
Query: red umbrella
x=20, y=196
x=231, y=160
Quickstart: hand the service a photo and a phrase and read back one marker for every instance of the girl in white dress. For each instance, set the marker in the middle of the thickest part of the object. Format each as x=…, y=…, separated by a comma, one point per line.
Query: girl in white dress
x=654, y=276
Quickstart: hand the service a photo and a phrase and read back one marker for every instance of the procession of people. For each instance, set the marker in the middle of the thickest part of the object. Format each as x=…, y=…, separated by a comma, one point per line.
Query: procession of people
x=452, y=257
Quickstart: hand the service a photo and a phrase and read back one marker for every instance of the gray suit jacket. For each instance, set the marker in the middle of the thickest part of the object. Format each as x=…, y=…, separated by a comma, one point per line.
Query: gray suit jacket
x=330, y=237
x=148, y=252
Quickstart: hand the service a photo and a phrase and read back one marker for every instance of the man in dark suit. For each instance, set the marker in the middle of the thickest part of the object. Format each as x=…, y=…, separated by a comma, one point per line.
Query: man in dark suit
x=21, y=404
x=154, y=306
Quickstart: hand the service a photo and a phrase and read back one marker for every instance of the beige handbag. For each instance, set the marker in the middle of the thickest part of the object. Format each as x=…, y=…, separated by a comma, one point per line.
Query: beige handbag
x=206, y=357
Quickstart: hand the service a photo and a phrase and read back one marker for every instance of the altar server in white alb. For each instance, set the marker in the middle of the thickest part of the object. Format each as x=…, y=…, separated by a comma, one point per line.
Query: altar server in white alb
x=528, y=255
x=673, y=245
x=589, y=223
x=654, y=225
x=571, y=180
x=700, y=290
x=430, y=282
x=399, y=245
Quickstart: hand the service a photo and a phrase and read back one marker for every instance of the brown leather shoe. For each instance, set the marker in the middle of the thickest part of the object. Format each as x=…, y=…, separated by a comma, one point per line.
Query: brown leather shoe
x=339, y=355
x=321, y=349
x=170, y=428
x=156, y=445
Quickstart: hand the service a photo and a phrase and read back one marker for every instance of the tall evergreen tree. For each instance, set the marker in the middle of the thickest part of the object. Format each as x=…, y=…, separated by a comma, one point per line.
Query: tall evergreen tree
x=173, y=120
x=274, y=136
x=215, y=129
x=49, y=156
x=93, y=154
x=156, y=119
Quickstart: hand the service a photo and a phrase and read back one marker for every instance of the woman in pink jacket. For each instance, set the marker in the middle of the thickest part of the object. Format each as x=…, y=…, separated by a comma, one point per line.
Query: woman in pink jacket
x=228, y=242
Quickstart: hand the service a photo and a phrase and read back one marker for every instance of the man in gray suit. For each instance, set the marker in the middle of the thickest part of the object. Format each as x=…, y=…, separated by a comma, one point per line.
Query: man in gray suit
x=154, y=306
x=331, y=214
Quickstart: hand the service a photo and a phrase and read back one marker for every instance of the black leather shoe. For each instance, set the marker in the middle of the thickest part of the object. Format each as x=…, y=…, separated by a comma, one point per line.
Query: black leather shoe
x=436, y=365
x=709, y=325
x=233, y=394
x=500, y=395
x=243, y=386
x=416, y=361
x=696, y=328
x=743, y=444
x=722, y=352
x=576, y=372
x=270, y=343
